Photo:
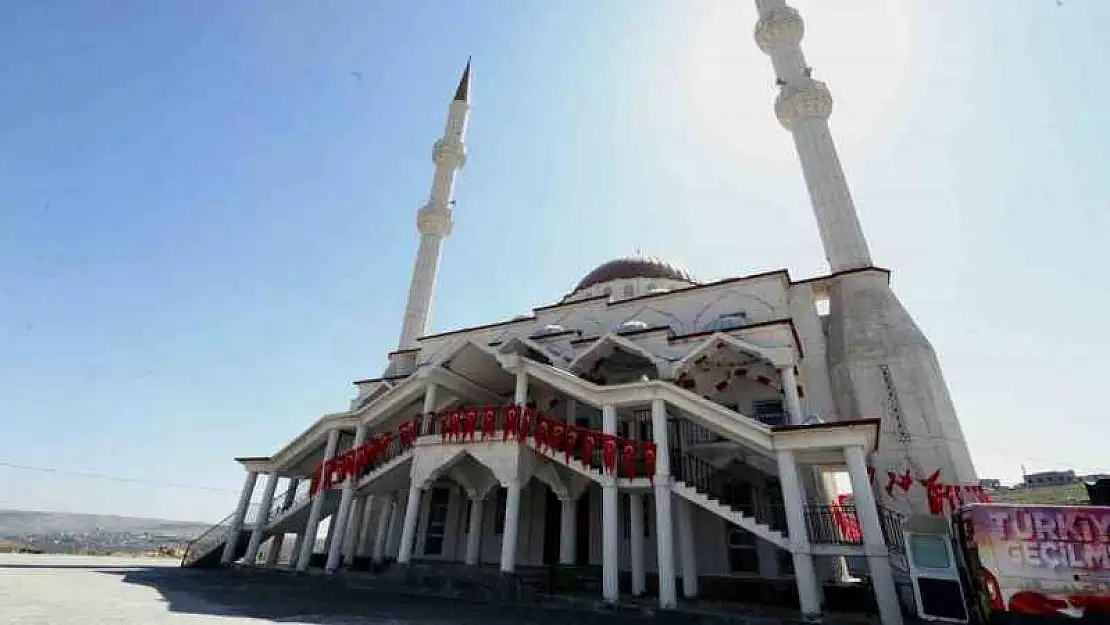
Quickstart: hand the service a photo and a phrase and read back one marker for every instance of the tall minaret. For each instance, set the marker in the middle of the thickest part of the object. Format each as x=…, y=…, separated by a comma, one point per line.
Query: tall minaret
x=880, y=363
x=803, y=107
x=434, y=219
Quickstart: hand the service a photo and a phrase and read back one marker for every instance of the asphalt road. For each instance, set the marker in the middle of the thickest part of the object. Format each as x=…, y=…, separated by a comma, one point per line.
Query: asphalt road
x=60, y=590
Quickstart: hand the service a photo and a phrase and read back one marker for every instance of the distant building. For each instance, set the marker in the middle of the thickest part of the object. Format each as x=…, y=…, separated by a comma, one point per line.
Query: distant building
x=1094, y=477
x=1050, y=478
x=991, y=484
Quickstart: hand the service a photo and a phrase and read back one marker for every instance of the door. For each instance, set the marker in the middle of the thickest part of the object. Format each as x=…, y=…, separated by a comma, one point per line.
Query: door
x=552, y=518
x=936, y=578
x=437, y=522
x=582, y=545
x=742, y=555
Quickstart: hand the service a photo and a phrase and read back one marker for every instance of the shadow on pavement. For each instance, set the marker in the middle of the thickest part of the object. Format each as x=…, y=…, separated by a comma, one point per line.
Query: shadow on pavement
x=311, y=599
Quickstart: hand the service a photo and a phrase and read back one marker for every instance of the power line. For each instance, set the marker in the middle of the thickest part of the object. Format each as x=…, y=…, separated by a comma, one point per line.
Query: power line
x=112, y=478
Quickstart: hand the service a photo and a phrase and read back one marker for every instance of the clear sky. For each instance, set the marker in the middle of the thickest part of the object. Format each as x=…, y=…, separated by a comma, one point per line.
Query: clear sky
x=207, y=207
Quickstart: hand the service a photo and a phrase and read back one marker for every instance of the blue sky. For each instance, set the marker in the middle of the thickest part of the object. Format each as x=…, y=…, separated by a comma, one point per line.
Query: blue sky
x=206, y=219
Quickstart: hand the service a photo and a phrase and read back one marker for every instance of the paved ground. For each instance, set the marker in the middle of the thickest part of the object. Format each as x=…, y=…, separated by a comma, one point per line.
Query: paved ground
x=64, y=590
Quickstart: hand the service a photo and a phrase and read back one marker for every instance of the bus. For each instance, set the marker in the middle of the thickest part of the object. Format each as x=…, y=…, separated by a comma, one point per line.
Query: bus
x=1034, y=564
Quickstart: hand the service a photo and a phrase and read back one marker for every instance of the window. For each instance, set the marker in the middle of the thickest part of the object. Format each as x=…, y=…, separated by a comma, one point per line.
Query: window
x=929, y=551
x=629, y=290
x=769, y=411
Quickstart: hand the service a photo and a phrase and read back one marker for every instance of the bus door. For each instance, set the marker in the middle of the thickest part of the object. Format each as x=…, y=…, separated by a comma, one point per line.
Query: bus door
x=933, y=570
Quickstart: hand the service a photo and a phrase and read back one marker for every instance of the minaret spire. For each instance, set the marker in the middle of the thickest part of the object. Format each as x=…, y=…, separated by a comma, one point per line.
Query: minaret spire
x=803, y=107
x=434, y=219
x=462, y=93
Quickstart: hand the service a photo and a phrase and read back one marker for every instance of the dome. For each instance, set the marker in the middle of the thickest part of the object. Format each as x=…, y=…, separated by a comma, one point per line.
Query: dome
x=634, y=267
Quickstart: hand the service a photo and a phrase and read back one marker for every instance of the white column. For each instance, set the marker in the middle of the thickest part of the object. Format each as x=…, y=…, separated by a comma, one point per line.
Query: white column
x=520, y=392
x=686, y=554
x=297, y=542
x=274, y=551
x=610, y=540
x=237, y=520
x=664, y=522
x=261, y=520
x=790, y=390
x=339, y=522
x=381, y=538
x=878, y=556
x=568, y=534
x=396, y=523
x=636, y=542
x=572, y=410
x=408, y=532
x=794, y=499
x=474, y=531
x=430, y=397
x=366, y=540
x=512, y=524
x=610, y=521
x=312, y=524
x=354, y=528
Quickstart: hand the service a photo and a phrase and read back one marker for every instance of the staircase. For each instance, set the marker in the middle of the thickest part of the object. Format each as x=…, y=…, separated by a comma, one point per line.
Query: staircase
x=702, y=483
x=206, y=550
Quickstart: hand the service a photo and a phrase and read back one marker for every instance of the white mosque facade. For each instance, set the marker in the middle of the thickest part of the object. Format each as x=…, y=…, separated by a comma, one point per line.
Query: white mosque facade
x=661, y=431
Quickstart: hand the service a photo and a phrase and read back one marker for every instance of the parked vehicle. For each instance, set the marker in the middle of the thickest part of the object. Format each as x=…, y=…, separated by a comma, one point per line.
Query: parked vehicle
x=1034, y=564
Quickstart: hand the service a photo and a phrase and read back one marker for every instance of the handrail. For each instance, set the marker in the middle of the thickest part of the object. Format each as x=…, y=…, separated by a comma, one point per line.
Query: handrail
x=714, y=483
x=203, y=544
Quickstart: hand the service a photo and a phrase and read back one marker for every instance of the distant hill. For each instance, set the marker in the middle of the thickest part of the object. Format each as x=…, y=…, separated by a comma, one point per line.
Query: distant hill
x=1070, y=494
x=20, y=523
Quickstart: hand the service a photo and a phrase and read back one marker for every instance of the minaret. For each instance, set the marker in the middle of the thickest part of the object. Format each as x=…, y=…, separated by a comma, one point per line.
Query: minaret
x=803, y=107
x=434, y=219
x=880, y=363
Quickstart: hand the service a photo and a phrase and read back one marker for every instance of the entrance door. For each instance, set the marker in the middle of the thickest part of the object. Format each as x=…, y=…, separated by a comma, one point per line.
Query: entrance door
x=742, y=555
x=552, y=513
x=437, y=522
x=582, y=545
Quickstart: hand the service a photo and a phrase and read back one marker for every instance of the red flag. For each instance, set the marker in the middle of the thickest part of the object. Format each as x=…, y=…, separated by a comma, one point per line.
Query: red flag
x=471, y=422
x=609, y=453
x=454, y=420
x=489, y=422
x=589, y=440
x=649, y=461
x=512, y=414
x=628, y=458
x=541, y=434
x=527, y=419
x=570, y=446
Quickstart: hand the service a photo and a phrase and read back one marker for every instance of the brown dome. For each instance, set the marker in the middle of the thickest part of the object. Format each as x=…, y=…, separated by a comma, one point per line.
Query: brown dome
x=635, y=267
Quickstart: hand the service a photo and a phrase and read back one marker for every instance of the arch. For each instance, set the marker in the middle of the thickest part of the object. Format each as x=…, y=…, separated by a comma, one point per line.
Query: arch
x=603, y=347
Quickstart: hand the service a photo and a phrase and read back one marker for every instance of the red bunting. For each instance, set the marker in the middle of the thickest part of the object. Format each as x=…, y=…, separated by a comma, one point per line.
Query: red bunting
x=471, y=423
x=405, y=432
x=570, y=447
x=589, y=441
x=541, y=434
x=609, y=453
x=527, y=418
x=454, y=420
x=489, y=422
x=649, y=461
x=628, y=458
x=558, y=434
x=512, y=414
x=444, y=429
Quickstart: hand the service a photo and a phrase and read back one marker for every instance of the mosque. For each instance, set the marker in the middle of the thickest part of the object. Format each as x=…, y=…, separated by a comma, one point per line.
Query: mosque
x=661, y=431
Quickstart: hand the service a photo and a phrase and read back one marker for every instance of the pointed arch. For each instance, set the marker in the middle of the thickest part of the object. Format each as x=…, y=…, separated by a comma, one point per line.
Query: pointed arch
x=606, y=345
x=719, y=341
